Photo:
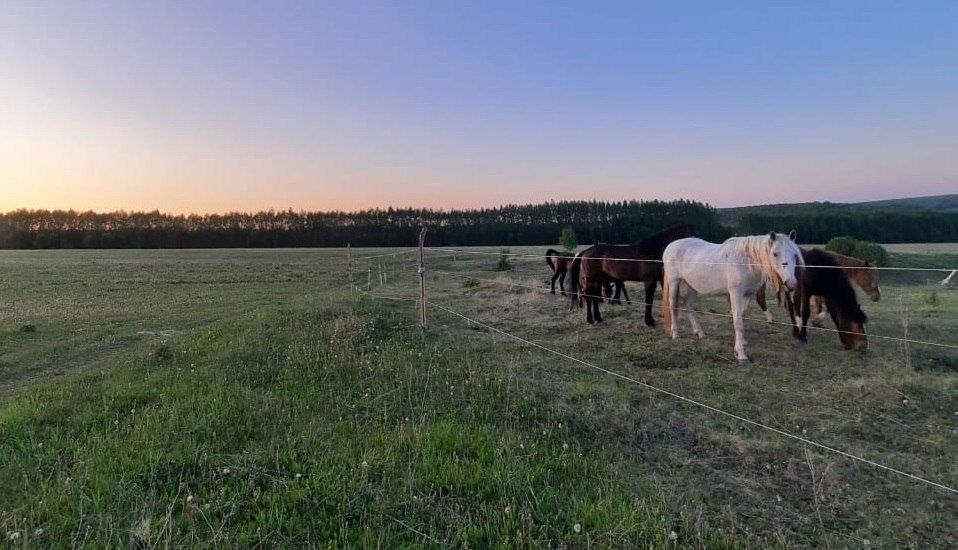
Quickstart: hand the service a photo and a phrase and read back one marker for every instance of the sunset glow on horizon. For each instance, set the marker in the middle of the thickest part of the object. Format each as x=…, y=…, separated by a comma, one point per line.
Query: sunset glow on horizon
x=245, y=107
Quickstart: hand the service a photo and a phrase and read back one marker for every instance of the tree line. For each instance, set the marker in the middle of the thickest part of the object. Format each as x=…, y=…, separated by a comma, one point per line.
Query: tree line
x=510, y=225
x=902, y=226
x=533, y=224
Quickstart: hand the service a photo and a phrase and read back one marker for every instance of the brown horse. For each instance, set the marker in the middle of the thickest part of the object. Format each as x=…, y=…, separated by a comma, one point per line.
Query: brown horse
x=601, y=263
x=862, y=273
x=559, y=263
x=820, y=277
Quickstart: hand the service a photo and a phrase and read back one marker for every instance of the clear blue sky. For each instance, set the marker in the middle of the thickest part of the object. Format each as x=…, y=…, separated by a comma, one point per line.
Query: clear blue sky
x=221, y=106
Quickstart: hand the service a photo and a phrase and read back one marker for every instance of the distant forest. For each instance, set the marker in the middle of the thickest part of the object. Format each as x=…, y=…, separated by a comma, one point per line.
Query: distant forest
x=512, y=225
x=538, y=224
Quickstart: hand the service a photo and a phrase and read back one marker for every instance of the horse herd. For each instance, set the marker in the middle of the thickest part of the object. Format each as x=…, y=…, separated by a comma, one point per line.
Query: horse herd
x=805, y=280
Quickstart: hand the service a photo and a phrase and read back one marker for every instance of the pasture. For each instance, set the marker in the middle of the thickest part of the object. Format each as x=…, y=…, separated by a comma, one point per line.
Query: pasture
x=211, y=397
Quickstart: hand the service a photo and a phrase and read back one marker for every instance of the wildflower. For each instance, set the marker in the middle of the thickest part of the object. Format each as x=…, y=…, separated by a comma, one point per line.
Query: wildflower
x=13, y=535
x=507, y=511
x=577, y=527
x=225, y=471
x=565, y=446
x=365, y=464
x=299, y=476
x=673, y=535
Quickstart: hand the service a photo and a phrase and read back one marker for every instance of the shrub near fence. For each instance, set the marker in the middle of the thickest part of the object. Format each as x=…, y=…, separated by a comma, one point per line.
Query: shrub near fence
x=863, y=250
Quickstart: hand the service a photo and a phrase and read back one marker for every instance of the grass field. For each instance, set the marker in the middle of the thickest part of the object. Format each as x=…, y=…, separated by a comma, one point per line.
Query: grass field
x=247, y=397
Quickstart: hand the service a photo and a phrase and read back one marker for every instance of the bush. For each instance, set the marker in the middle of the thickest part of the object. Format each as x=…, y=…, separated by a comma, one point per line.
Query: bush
x=871, y=252
x=842, y=245
x=863, y=250
x=568, y=239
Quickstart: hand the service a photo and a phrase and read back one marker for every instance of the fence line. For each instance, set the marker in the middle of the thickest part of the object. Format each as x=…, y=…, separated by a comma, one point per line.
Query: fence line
x=384, y=255
x=729, y=315
x=542, y=257
x=700, y=403
x=703, y=405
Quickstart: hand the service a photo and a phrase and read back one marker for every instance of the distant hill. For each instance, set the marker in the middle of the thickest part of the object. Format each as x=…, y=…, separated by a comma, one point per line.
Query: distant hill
x=911, y=220
x=935, y=203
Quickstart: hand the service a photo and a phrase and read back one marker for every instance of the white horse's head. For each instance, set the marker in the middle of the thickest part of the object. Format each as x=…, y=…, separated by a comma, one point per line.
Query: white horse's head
x=785, y=257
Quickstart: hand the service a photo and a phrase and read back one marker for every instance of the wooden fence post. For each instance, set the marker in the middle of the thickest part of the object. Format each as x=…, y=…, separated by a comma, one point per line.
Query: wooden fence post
x=422, y=280
x=349, y=266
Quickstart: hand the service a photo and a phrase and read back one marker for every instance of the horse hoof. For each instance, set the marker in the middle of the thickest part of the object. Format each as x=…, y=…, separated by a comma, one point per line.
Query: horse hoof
x=649, y=323
x=744, y=360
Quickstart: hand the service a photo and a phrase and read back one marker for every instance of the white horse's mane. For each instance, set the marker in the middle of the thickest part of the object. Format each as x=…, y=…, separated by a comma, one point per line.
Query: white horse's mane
x=757, y=250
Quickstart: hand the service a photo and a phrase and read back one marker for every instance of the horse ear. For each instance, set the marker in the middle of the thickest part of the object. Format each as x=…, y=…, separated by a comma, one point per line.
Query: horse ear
x=771, y=237
x=792, y=234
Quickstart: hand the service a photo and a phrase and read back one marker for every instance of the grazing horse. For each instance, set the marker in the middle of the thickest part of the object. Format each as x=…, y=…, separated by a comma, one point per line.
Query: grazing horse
x=862, y=273
x=822, y=278
x=602, y=263
x=559, y=262
x=737, y=267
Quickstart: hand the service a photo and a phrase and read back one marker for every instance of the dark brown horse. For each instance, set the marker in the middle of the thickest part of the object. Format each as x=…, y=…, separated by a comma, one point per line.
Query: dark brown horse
x=559, y=263
x=601, y=263
x=821, y=277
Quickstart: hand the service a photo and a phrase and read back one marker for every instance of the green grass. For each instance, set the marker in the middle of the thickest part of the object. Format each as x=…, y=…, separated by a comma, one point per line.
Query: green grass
x=245, y=397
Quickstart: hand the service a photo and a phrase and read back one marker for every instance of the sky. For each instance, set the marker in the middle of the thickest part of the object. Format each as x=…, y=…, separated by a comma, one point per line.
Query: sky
x=214, y=107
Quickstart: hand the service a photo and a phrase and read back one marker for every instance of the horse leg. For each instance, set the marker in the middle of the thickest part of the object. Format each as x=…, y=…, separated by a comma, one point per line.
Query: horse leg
x=739, y=302
x=625, y=293
x=596, y=314
x=821, y=311
x=673, y=289
x=805, y=309
x=793, y=315
x=690, y=299
x=607, y=292
x=649, y=297
x=618, y=292
x=588, y=310
x=561, y=285
x=763, y=305
x=554, y=277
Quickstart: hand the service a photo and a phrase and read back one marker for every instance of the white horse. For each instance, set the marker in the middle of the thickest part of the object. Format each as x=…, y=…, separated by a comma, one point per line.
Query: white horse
x=738, y=267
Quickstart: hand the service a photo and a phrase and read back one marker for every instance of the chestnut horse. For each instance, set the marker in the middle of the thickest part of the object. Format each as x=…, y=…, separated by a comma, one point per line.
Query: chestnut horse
x=601, y=263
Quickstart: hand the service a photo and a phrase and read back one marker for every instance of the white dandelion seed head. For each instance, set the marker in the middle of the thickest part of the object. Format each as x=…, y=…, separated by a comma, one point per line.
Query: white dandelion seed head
x=673, y=535
x=225, y=471
x=565, y=446
x=577, y=527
